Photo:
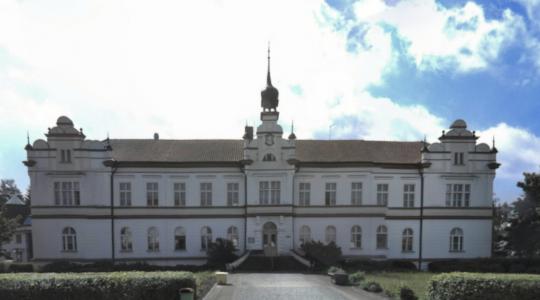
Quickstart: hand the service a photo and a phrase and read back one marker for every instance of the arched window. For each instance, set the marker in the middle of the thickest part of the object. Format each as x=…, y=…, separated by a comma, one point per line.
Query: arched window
x=206, y=237
x=69, y=239
x=232, y=235
x=269, y=157
x=356, y=237
x=179, y=238
x=382, y=237
x=126, y=243
x=305, y=234
x=456, y=240
x=330, y=235
x=153, y=239
x=407, y=240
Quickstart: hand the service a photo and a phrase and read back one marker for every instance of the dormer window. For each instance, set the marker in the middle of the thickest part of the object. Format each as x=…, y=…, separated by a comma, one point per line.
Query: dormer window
x=269, y=157
x=458, y=158
x=65, y=156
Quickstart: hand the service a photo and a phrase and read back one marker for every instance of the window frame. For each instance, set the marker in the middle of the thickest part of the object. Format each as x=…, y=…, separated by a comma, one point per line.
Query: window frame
x=233, y=236
x=330, y=193
x=67, y=193
x=179, y=194
x=330, y=234
x=356, y=237
x=383, y=194
x=206, y=237
x=382, y=237
x=152, y=239
x=304, y=193
x=407, y=240
x=456, y=240
x=126, y=240
x=356, y=193
x=409, y=192
x=152, y=194
x=69, y=239
x=304, y=234
x=206, y=189
x=180, y=242
x=124, y=189
x=233, y=194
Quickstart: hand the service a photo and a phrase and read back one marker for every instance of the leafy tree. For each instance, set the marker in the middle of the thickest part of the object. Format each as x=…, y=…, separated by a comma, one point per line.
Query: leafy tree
x=8, y=188
x=523, y=230
x=221, y=252
x=7, y=228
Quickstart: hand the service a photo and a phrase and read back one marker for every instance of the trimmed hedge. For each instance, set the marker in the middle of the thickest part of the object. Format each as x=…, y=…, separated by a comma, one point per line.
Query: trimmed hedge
x=87, y=286
x=107, y=266
x=368, y=265
x=17, y=268
x=480, y=286
x=487, y=265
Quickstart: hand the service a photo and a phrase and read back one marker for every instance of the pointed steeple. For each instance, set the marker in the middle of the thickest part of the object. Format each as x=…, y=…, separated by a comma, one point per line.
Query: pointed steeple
x=269, y=96
x=28, y=146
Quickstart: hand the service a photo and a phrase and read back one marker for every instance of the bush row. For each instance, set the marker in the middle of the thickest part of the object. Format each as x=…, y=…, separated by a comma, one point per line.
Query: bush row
x=488, y=265
x=367, y=265
x=86, y=286
x=479, y=286
x=107, y=266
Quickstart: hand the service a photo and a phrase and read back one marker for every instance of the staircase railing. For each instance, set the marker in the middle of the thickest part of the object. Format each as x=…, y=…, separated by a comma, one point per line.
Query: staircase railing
x=235, y=264
x=300, y=259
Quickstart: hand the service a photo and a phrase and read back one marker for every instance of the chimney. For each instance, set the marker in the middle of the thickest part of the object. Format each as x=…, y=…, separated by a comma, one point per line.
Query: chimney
x=156, y=136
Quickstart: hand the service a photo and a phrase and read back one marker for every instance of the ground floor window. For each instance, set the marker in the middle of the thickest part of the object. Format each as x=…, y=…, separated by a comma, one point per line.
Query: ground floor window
x=179, y=238
x=206, y=237
x=232, y=235
x=126, y=243
x=153, y=239
x=382, y=237
x=356, y=237
x=305, y=234
x=456, y=240
x=69, y=239
x=407, y=240
x=330, y=234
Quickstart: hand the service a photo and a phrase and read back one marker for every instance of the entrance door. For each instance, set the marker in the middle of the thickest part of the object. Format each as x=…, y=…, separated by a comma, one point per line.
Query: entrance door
x=269, y=239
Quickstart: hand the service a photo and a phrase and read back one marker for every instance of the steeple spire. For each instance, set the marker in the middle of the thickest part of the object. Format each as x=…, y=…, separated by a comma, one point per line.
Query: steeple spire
x=268, y=78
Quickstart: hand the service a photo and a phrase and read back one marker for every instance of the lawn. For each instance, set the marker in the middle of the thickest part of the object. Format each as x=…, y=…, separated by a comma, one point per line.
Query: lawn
x=392, y=281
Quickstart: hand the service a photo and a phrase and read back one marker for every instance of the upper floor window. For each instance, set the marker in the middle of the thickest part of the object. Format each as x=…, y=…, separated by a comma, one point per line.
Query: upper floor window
x=458, y=195
x=126, y=242
x=305, y=193
x=330, y=234
x=206, y=193
x=408, y=195
x=153, y=239
x=179, y=238
x=382, y=194
x=407, y=240
x=232, y=235
x=69, y=239
x=456, y=240
x=356, y=193
x=65, y=156
x=269, y=157
x=125, y=193
x=269, y=192
x=356, y=237
x=330, y=194
x=152, y=194
x=206, y=237
x=179, y=194
x=232, y=193
x=305, y=234
x=458, y=158
x=382, y=237
x=67, y=193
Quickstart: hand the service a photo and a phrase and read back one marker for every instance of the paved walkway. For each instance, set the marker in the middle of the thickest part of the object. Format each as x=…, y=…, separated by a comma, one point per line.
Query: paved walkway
x=261, y=286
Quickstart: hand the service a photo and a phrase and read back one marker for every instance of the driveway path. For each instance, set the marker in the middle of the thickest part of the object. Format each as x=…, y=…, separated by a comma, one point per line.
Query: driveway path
x=264, y=286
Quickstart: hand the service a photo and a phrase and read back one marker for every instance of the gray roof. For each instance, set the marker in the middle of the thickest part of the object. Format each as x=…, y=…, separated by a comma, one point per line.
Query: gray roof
x=321, y=151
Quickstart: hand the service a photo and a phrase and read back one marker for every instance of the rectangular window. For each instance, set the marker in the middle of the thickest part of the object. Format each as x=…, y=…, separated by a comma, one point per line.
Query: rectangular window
x=264, y=192
x=356, y=193
x=382, y=194
x=179, y=194
x=458, y=195
x=305, y=193
x=206, y=193
x=275, y=192
x=180, y=242
x=65, y=156
x=18, y=238
x=458, y=158
x=125, y=193
x=67, y=193
x=330, y=194
x=152, y=194
x=232, y=194
x=408, y=195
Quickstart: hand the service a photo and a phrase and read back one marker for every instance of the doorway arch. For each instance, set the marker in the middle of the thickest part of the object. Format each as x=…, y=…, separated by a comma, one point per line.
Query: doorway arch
x=269, y=238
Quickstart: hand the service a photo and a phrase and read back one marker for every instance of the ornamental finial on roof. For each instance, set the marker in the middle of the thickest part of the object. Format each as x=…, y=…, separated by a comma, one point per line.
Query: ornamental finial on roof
x=269, y=96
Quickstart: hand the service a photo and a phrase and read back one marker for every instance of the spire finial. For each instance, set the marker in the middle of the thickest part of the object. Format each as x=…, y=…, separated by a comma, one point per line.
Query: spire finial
x=268, y=79
x=27, y=137
x=493, y=142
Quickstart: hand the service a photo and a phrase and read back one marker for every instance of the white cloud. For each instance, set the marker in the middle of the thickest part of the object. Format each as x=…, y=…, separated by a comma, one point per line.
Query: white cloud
x=439, y=37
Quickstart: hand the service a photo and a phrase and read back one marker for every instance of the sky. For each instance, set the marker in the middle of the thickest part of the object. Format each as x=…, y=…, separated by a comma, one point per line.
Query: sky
x=366, y=69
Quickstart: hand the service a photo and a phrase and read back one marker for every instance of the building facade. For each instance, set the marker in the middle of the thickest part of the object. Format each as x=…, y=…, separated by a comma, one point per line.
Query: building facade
x=163, y=201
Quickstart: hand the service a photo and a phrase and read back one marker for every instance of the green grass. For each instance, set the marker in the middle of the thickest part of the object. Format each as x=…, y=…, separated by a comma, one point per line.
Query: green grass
x=392, y=281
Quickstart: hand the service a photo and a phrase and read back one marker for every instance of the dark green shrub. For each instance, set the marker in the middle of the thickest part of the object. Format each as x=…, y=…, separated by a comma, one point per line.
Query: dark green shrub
x=322, y=255
x=87, y=286
x=372, y=286
x=368, y=265
x=406, y=293
x=221, y=252
x=16, y=268
x=106, y=266
x=60, y=267
x=357, y=277
x=488, y=265
x=479, y=286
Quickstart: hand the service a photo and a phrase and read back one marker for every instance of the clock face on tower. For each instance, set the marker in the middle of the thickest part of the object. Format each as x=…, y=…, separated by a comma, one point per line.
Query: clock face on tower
x=269, y=139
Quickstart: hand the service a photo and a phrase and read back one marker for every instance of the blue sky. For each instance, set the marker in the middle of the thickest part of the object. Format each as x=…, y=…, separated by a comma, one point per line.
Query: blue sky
x=371, y=69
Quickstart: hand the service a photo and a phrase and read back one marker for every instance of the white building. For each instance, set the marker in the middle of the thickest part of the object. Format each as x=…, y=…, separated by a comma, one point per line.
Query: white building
x=161, y=201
